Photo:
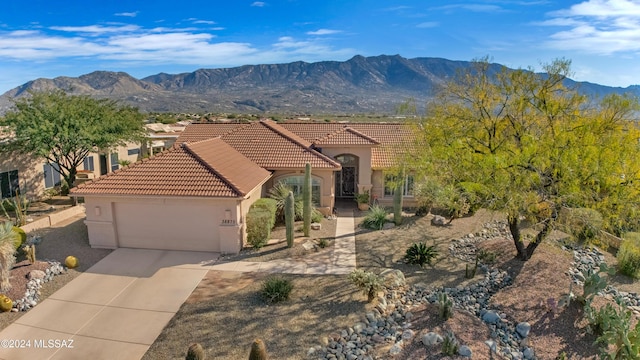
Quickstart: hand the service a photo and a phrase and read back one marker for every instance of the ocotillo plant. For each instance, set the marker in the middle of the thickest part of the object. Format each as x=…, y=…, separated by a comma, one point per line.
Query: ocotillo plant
x=306, y=200
x=289, y=215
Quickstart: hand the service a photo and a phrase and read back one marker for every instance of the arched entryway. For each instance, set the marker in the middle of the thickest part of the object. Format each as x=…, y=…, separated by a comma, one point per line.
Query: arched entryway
x=347, y=178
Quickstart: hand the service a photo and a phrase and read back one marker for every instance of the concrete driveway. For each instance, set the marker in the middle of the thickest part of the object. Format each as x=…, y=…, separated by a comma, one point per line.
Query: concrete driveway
x=115, y=310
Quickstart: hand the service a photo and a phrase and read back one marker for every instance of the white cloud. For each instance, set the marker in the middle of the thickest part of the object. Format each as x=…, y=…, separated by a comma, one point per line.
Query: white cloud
x=127, y=14
x=258, y=4
x=134, y=45
x=323, y=32
x=427, y=24
x=597, y=26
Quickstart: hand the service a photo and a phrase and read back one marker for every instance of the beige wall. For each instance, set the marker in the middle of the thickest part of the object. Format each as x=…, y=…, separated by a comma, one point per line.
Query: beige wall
x=123, y=154
x=162, y=223
x=30, y=171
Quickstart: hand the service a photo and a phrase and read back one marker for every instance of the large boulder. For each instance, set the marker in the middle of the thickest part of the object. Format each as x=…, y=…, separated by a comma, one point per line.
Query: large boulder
x=392, y=278
x=438, y=220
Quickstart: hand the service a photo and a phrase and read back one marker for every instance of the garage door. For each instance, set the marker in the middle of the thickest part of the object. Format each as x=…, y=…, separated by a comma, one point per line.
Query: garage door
x=167, y=227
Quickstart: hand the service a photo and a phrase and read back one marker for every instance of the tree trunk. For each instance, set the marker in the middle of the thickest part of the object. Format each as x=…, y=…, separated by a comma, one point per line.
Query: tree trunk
x=531, y=247
x=517, y=240
x=70, y=179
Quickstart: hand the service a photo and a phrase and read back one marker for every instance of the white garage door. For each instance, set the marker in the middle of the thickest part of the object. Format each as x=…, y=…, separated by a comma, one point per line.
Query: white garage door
x=167, y=227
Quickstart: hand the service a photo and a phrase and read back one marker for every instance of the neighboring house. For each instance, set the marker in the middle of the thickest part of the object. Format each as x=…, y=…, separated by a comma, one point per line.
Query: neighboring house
x=33, y=176
x=195, y=196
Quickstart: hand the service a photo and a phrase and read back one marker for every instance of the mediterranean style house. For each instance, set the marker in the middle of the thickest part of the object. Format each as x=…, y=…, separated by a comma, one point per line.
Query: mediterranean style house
x=195, y=195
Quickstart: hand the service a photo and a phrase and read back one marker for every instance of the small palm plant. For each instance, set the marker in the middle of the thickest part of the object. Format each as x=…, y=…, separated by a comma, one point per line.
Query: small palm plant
x=421, y=254
x=7, y=254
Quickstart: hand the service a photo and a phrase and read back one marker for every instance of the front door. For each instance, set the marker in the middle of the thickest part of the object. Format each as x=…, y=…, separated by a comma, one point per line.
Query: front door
x=346, y=182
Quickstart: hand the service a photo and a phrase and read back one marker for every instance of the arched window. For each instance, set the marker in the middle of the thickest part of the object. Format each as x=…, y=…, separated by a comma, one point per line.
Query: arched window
x=296, y=183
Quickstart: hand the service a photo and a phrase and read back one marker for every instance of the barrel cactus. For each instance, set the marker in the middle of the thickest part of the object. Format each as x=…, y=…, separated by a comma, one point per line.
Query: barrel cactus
x=258, y=350
x=6, y=304
x=71, y=262
x=196, y=352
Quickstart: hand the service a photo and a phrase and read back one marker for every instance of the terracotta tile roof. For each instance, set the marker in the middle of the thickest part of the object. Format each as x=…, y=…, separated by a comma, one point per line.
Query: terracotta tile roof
x=393, y=137
x=196, y=169
x=274, y=147
x=346, y=136
x=197, y=132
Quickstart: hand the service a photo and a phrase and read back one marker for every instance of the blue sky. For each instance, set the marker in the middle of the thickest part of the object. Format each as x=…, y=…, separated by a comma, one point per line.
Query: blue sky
x=70, y=38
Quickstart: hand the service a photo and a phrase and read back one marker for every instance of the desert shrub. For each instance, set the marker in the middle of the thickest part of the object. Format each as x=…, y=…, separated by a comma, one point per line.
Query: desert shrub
x=21, y=237
x=375, y=218
x=486, y=256
x=583, y=223
x=316, y=216
x=629, y=258
x=420, y=254
x=196, y=352
x=258, y=350
x=276, y=289
x=323, y=243
x=259, y=223
x=269, y=205
x=7, y=254
x=366, y=281
x=279, y=193
x=474, y=194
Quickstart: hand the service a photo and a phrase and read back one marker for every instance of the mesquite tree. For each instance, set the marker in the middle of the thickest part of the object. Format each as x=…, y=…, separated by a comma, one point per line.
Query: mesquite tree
x=306, y=200
x=62, y=129
x=535, y=146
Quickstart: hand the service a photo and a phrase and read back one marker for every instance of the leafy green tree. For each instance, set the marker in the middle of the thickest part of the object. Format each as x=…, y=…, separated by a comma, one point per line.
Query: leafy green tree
x=63, y=129
x=533, y=146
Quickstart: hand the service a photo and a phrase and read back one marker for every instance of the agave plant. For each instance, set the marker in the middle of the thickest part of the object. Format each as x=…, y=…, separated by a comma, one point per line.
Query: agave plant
x=421, y=254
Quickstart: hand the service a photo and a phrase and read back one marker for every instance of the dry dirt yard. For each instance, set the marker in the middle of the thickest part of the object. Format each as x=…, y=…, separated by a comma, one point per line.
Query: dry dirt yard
x=225, y=313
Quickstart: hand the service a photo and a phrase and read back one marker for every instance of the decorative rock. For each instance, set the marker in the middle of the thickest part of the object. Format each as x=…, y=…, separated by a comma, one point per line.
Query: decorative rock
x=36, y=274
x=388, y=225
x=465, y=351
x=316, y=226
x=528, y=353
x=431, y=338
x=523, y=329
x=492, y=345
x=408, y=334
x=491, y=317
x=395, y=349
x=438, y=220
x=392, y=278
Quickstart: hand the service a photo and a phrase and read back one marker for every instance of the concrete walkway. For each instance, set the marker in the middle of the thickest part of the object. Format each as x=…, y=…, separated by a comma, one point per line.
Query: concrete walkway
x=117, y=308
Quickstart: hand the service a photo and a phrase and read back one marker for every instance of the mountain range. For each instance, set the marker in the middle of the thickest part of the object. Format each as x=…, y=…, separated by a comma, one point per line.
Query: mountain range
x=359, y=85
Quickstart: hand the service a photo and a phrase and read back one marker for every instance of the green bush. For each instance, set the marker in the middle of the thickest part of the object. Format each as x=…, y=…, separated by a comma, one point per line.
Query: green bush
x=269, y=205
x=21, y=237
x=276, y=289
x=613, y=327
x=474, y=194
x=366, y=281
x=316, y=216
x=375, y=218
x=259, y=223
x=629, y=258
x=583, y=223
x=420, y=254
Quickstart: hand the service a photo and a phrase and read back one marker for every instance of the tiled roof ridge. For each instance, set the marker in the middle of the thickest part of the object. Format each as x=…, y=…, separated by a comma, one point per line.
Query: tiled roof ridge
x=362, y=135
x=298, y=140
x=286, y=133
x=210, y=167
x=128, y=167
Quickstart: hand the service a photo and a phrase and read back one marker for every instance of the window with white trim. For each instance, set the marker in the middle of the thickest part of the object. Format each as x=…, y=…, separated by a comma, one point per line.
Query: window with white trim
x=115, y=165
x=51, y=175
x=88, y=163
x=296, y=185
x=390, y=186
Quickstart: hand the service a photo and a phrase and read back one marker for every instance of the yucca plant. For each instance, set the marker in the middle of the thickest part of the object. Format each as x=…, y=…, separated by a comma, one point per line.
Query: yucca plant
x=7, y=254
x=421, y=254
x=375, y=218
x=279, y=193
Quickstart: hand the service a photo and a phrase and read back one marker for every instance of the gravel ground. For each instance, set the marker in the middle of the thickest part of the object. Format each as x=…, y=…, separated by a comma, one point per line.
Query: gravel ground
x=225, y=314
x=66, y=238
